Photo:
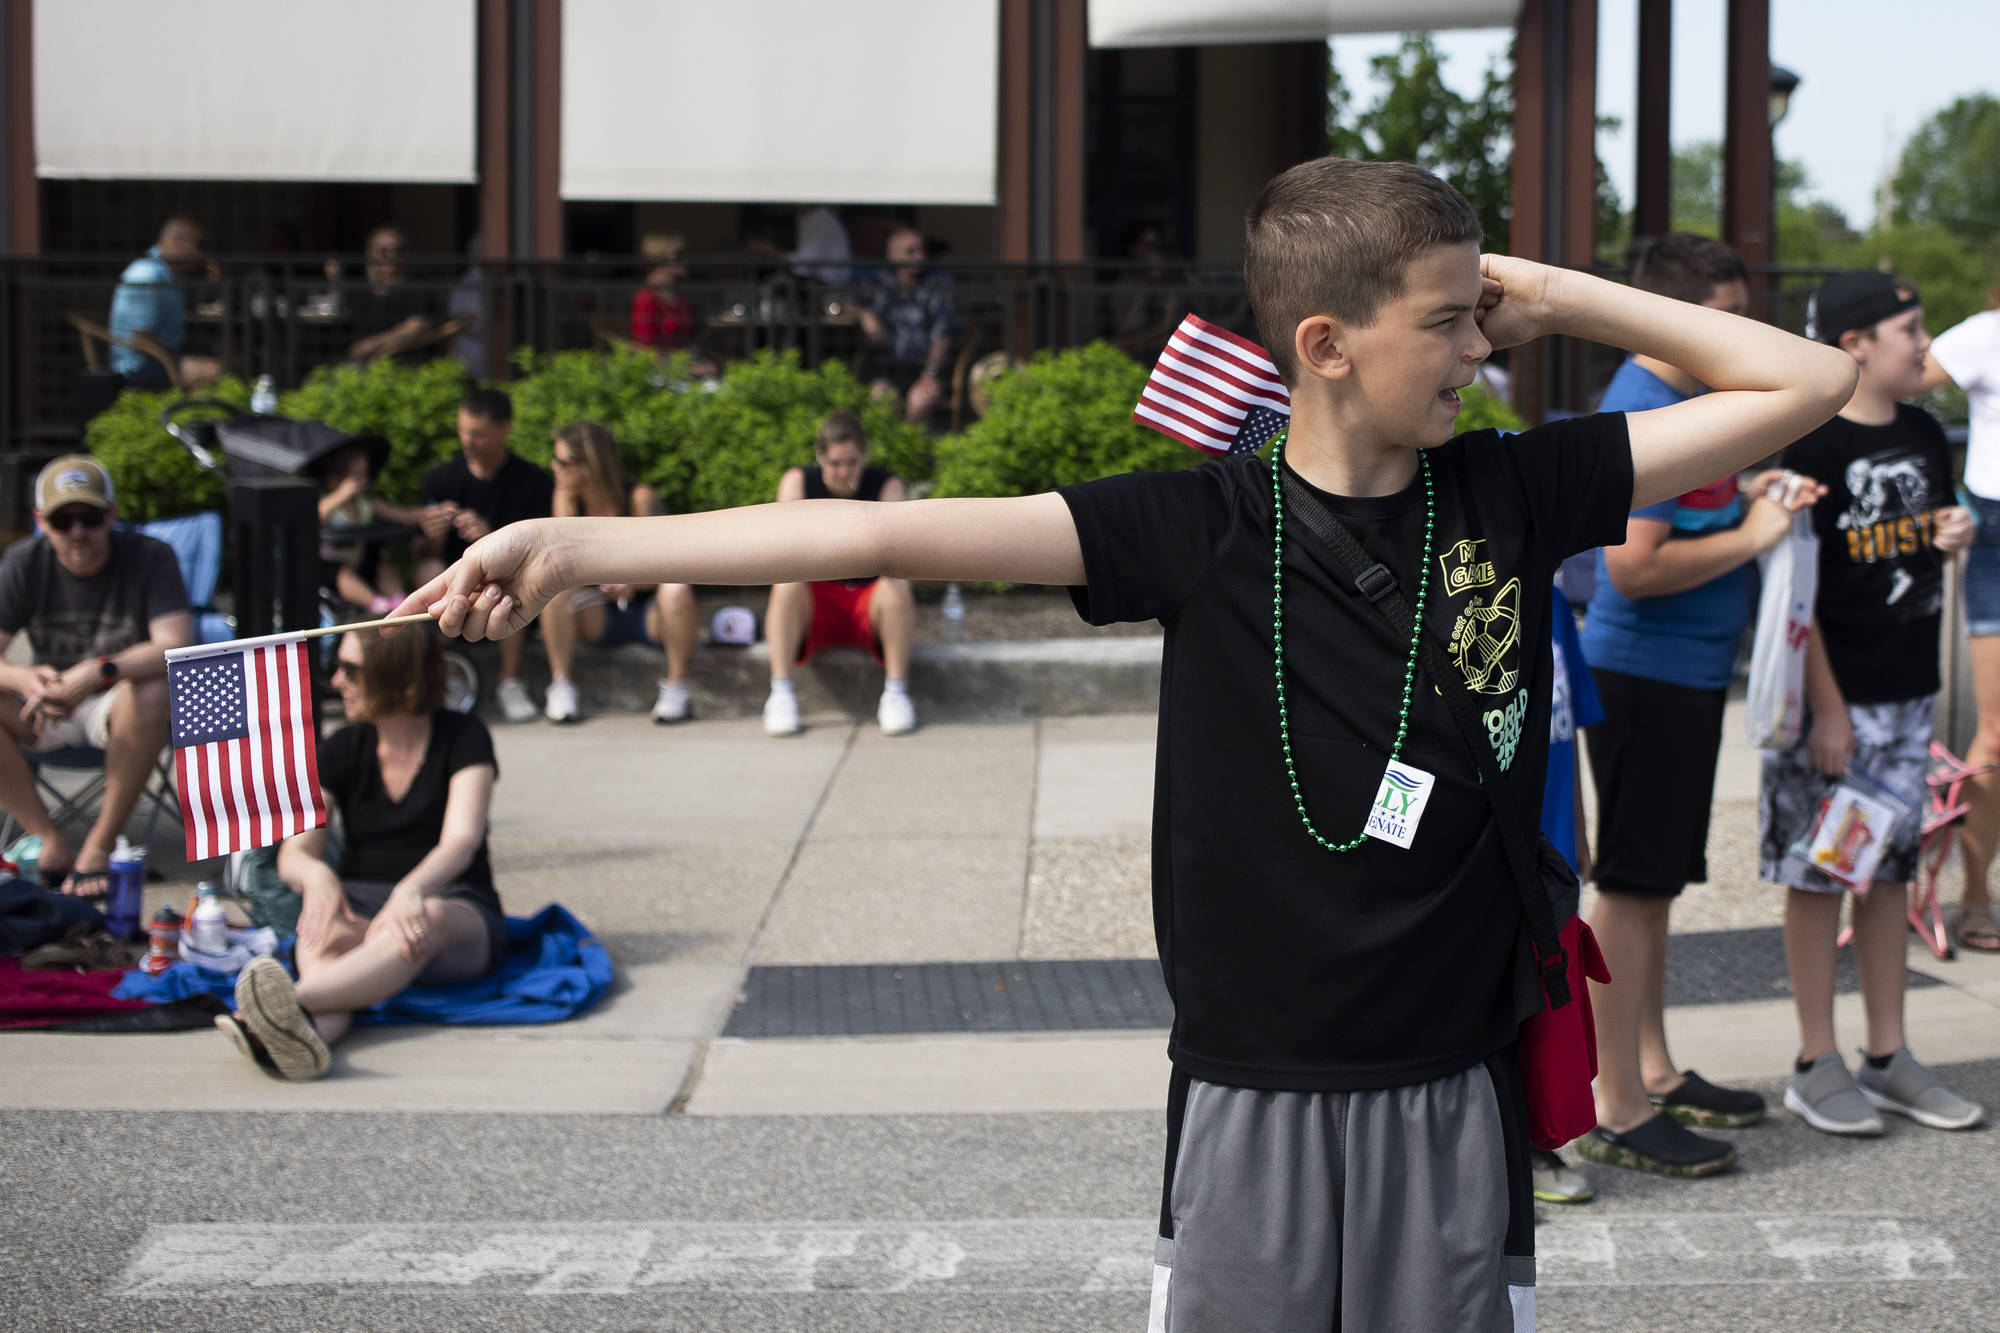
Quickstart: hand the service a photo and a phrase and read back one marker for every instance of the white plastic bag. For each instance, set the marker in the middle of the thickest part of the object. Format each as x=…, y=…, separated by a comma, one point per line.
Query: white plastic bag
x=1784, y=622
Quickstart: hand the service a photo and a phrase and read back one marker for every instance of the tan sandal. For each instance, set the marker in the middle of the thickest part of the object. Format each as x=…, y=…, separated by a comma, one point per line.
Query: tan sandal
x=1975, y=929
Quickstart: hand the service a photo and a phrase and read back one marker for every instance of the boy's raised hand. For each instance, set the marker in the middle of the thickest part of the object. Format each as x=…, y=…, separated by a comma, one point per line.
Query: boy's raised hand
x=497, y=587
x=1517, y=300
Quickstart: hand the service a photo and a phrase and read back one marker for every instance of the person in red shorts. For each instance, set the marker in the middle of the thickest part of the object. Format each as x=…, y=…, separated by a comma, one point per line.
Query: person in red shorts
x=877, y=615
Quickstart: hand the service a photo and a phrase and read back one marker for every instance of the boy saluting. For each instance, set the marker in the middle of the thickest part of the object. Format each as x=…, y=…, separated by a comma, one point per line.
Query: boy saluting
x=1346, y=1141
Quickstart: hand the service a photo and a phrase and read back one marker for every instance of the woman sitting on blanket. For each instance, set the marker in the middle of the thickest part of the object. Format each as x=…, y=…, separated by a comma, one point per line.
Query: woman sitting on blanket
x=411, y=900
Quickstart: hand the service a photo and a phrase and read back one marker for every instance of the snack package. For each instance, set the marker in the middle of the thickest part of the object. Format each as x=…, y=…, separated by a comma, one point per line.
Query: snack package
x=1855, y=826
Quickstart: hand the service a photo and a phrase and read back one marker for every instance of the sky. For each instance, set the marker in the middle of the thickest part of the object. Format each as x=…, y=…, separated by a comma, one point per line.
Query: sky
x=1857, y=74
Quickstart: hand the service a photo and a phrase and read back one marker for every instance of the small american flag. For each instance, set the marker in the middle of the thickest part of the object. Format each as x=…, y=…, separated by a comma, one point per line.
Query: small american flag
x=1214, y=391
x=245, y=752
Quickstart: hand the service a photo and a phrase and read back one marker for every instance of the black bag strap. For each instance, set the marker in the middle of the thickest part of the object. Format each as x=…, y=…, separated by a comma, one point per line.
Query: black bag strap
x=1374, y=582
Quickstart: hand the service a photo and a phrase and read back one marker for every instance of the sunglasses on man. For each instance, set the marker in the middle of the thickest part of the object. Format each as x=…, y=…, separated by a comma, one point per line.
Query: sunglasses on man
x=68, y=520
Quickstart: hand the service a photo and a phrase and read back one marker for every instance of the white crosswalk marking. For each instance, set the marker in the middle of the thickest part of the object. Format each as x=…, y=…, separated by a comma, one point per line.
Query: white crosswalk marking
x=565, y=1258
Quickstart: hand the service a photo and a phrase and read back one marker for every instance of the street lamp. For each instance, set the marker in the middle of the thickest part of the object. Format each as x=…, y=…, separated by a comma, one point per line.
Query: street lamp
x=1783, y=84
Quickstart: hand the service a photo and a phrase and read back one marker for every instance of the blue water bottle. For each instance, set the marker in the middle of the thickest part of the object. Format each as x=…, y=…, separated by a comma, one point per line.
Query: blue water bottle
x=125, y=898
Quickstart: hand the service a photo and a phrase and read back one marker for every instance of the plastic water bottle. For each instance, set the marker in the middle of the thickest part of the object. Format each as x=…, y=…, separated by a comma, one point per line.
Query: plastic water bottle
x=264, y=398
x=208, y=929
x=26, y=853
x=126, y=900
x=954, y=614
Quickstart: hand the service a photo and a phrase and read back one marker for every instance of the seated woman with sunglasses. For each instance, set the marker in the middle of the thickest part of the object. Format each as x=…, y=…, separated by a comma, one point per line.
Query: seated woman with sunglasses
x=410, y=899
x=101, y=607
x=591, y=482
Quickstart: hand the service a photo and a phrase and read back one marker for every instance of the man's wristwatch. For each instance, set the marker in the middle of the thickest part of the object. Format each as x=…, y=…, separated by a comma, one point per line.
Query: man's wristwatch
x=107, y=672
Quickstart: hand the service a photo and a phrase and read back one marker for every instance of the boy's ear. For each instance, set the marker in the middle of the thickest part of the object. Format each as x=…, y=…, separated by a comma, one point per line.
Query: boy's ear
x=1320, y=343
x=1852, y=340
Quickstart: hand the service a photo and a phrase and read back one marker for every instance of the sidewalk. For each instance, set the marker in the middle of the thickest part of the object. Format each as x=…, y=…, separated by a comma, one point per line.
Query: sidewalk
x=842, y=872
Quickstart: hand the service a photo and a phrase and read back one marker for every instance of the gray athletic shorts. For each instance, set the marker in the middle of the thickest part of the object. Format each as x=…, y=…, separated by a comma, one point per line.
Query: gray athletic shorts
x=1892, y=745
x=1312, y=1212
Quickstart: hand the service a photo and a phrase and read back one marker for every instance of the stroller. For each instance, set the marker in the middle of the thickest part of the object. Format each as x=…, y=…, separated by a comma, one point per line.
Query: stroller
x=233, y=443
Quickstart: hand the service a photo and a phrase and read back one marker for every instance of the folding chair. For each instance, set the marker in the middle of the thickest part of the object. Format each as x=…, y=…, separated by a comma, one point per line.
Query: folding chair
x=76, y=808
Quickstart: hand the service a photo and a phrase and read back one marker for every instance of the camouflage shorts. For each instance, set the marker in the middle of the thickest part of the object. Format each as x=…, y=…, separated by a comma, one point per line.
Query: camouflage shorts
x=1892, y=745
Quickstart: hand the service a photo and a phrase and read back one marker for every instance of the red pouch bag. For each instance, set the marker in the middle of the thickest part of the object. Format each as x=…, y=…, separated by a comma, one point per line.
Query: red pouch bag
x=1557, y=1048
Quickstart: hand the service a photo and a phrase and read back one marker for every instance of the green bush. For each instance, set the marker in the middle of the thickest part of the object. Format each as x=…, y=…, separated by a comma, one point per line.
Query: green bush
x=1480, y=410
x=414, y=407
x=627, y=391
x=762, y=417
x=1064, y=417
x=155, y=475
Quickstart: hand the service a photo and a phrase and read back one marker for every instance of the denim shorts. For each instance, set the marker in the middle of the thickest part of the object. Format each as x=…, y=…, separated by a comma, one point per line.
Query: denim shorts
x=1982, y=571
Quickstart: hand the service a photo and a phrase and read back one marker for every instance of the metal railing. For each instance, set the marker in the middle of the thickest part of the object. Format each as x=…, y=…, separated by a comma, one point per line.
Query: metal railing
x=284, y=315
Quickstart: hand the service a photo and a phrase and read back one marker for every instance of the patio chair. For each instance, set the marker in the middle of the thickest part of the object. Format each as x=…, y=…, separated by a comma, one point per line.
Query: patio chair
x=90, y=333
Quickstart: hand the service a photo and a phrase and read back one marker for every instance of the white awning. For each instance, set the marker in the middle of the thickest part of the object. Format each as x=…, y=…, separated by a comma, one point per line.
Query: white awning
x=316, y=90
x=1229, y=22
x=866, y=101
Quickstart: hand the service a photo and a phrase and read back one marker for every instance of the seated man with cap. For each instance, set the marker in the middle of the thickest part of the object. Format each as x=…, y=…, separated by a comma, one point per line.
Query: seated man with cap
x=101, y=607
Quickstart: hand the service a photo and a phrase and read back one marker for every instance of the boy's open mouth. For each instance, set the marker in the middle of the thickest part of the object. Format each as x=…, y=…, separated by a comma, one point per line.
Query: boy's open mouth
x=1449, y=397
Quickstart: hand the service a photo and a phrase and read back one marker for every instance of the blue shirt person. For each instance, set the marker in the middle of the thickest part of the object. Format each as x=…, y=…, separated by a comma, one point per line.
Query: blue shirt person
x=1688, y=637
x=150, y=300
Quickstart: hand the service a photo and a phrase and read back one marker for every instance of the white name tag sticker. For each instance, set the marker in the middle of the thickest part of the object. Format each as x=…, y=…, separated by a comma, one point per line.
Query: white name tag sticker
x=1399, y=804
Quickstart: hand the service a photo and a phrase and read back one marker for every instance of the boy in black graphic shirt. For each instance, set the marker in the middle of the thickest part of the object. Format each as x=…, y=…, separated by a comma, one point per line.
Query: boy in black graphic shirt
x=1888, y=523
x=1347, y=1138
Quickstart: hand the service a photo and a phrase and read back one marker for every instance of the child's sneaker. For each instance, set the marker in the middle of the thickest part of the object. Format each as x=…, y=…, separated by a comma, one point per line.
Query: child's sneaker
x=1907, y=1088
x=562, y=702
x=1556, y=1182
x=1660, y=1146
x=672, y=705
x=781, y=714
x=515, y=705
x=1698, y=1102
x=1824, y=1096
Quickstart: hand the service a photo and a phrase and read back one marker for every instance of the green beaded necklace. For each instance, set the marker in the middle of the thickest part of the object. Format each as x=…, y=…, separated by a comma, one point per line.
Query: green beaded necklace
x=1278, y=633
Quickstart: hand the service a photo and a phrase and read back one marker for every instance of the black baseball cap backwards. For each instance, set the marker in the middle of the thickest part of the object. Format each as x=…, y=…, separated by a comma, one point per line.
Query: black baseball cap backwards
x=1857, y=299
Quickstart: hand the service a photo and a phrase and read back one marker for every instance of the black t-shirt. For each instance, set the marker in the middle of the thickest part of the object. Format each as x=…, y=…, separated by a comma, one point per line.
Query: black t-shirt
x=1292, y=967
x=385, y=839
x=518, y=490
x=70, y=619
x=1881, y=578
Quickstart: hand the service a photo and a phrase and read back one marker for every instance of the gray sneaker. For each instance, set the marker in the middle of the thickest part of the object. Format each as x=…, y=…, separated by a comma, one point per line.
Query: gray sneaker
x=1907, y=1088
x=1825, y=1098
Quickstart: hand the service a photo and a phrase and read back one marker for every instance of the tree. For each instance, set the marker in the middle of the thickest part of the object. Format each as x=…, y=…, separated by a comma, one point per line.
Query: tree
x=1416, y=118
x=1949, y=175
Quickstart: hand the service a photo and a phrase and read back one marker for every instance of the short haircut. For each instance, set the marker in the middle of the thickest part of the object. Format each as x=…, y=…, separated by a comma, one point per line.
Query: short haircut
x=1336, y=237
x=181, y=221
x=493, y=404
x=403, y=676
x=840, y=428
x=1684, y=266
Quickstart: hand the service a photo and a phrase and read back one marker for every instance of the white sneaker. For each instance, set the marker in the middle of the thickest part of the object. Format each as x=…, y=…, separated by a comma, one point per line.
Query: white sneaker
x=672, y=705
x=515, y=704
x=561, y=705
x=781, y=715
x=896, y=713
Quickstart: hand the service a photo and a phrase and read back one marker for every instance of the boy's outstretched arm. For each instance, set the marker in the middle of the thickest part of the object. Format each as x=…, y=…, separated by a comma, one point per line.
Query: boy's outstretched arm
x=504, y=580
x=1769, y=387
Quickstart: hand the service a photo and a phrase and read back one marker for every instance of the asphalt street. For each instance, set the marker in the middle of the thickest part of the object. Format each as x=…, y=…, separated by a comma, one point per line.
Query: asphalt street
x=224, y=1222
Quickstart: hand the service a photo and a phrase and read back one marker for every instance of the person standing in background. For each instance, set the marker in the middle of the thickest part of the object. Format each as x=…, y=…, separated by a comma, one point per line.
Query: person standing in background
x=1669, y=609
x=1968, y=355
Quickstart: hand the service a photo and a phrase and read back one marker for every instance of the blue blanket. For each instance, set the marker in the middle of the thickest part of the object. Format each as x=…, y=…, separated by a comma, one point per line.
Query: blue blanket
x=553, y=970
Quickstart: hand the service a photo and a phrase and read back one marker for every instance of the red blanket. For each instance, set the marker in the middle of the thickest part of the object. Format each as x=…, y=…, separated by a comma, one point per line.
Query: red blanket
x=57, y=995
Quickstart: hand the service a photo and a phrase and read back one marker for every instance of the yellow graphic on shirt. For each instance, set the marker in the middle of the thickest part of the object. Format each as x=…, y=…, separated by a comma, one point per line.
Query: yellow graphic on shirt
x=1463, y=570
x=1486, y=641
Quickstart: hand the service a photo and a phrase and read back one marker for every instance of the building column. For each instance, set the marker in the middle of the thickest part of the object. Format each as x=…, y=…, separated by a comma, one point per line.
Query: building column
x=1653, y=201
x=1746, y=141
x=20, y=191
x=520, y=128
x=1555, y=177
x=1041, y=130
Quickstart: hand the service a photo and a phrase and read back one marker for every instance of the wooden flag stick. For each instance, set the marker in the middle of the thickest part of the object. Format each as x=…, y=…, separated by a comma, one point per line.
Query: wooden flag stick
x=368, y=624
